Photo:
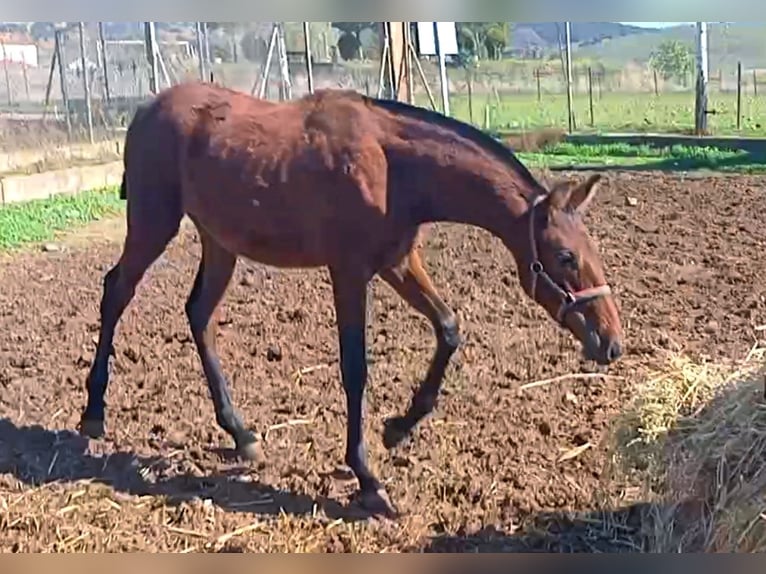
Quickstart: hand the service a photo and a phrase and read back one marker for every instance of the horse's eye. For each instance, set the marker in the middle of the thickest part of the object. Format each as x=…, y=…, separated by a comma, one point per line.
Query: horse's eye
x=567, y=259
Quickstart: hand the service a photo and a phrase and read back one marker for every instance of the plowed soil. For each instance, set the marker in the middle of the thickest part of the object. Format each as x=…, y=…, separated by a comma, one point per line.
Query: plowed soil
x=686, y=261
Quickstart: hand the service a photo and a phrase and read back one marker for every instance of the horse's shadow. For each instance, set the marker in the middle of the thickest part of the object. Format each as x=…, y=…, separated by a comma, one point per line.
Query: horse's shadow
x=37, y=456
x=620, y=530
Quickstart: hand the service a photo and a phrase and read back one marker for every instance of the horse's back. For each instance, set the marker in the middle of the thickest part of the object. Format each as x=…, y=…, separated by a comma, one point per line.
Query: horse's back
x=274, y=181
x=177, y=116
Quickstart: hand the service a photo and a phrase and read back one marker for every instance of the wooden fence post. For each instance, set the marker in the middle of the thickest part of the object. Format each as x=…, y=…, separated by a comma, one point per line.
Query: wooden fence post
x=539, y=89
x=590, y=97
x=739, y=95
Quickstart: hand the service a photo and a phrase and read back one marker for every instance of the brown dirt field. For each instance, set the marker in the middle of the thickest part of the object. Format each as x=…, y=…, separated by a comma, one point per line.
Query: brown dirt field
x=482, y=474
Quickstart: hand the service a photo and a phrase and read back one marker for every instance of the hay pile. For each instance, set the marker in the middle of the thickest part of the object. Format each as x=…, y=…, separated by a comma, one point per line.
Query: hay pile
x=696, y=438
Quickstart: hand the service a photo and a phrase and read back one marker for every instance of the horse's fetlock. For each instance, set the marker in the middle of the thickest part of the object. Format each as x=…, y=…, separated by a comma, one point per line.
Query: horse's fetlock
x=449, y=332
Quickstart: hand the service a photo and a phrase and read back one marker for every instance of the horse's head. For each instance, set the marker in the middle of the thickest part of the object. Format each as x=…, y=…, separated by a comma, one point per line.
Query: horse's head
x=564, y=274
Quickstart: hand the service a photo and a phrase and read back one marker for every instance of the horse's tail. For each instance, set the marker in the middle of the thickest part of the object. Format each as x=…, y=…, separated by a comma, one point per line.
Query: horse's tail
x=139, y=113
x=124, y=187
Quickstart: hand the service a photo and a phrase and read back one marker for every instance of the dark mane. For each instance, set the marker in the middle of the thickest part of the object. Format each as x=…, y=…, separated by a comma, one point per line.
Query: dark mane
x=480, y=138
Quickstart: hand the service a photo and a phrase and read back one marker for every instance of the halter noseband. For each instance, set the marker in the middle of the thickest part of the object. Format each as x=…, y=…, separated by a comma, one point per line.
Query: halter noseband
x=569, y=300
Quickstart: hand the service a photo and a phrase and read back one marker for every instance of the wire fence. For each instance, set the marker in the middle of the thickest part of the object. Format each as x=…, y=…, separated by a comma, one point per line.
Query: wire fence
x=508, y=94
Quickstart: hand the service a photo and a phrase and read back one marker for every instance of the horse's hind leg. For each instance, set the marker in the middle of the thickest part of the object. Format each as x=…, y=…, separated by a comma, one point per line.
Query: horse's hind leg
x=412, y=283
x=350, y=296
x=146, y=239
x=213, y=277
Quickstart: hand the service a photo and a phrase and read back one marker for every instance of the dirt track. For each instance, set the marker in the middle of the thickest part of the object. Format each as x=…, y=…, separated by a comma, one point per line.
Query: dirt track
x=689, y=272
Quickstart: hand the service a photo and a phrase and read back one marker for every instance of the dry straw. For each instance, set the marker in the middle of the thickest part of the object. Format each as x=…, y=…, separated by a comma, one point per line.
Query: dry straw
x=696, y=436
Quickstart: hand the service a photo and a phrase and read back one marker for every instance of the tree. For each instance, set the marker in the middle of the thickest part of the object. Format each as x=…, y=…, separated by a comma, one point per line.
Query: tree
x=349, y=47
x=230, y=33
x=483, y=39
x=41, y=30
x=672, y=59
x=350, y=41
x=497, y=39
x=355, y=28
x=253, y=45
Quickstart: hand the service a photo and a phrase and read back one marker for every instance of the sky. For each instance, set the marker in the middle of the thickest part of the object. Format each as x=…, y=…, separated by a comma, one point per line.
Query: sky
x=654, y=24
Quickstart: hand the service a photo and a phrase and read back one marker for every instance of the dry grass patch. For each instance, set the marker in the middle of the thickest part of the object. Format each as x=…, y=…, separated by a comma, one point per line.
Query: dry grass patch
x=696, y=438
x=535, y=140
x=87, y=516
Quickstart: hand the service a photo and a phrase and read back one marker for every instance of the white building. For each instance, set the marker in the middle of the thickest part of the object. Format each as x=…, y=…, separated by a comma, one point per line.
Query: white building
x=19, y=54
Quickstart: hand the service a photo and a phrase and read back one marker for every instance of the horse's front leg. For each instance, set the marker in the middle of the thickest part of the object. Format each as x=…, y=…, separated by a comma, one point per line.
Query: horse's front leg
x=412, y=283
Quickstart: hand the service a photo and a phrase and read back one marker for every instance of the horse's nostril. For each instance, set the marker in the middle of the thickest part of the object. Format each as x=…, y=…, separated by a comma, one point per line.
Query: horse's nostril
x=614, y=351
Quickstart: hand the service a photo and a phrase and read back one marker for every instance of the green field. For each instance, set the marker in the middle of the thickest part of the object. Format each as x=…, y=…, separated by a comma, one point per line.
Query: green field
x=613, y=112
x=624, y=100
x=624, y=156
x=40, y=220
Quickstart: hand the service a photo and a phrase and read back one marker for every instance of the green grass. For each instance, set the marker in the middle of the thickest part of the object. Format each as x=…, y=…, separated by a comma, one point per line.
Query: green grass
x=40, y=220
x=614, y=112
x=623, y=150
x=620, y=155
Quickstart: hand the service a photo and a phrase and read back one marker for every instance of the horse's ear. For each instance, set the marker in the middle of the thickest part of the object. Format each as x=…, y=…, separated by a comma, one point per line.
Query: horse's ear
x=581, y=195
x=560, y=194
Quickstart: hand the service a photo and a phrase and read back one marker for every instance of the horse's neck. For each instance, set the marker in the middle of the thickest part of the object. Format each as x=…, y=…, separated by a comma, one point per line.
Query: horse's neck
x=462, y=186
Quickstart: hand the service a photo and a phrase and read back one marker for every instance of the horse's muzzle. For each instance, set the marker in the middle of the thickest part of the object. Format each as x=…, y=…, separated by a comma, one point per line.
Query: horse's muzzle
x=604, y=350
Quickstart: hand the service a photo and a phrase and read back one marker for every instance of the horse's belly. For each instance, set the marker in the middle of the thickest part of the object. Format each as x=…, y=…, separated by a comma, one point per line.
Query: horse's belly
x=284, y=258
x=284, y=235
x=278, y=249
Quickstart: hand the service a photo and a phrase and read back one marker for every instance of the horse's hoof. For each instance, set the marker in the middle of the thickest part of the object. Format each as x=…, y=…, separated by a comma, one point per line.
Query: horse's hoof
x=91, y=428
x=253, y=451
x=395, y=432
x=378, y=504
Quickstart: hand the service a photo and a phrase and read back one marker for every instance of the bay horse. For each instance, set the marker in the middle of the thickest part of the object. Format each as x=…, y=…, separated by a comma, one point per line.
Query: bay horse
x=346, y=182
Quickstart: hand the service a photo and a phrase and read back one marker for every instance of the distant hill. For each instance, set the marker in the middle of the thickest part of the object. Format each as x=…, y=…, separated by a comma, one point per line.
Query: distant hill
x=526, y=35
x=617, y=44
x=728, y=43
